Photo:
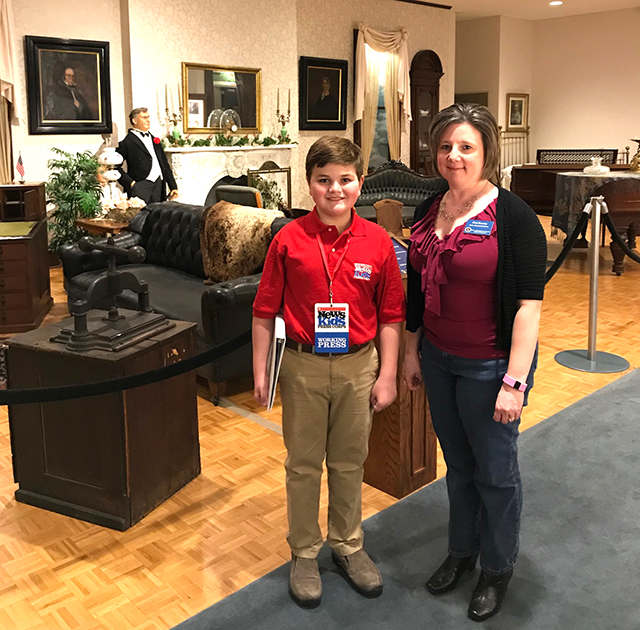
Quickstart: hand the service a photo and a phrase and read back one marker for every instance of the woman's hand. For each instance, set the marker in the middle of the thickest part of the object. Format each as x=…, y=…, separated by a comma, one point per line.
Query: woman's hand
x=411, y=371
x=508, y=404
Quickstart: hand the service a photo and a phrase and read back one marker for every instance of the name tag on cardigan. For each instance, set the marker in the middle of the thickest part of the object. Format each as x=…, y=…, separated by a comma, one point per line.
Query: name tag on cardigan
x=474, y=226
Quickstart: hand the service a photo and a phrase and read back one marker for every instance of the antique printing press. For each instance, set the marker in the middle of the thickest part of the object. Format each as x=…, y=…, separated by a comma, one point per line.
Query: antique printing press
x=89, y=328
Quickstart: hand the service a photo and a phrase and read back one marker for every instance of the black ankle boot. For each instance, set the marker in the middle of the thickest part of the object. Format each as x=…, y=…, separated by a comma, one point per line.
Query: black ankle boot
x=488, y=595
x=448, y=575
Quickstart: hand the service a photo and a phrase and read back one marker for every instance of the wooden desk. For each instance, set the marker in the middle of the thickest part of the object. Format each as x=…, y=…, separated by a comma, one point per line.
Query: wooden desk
x=107, y=459
x=104, y=227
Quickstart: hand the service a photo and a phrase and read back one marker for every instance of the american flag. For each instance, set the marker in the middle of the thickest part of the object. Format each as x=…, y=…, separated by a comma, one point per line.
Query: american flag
x=20, y=166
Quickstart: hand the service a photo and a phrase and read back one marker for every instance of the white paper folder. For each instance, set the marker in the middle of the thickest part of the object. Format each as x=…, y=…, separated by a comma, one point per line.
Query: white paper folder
x=275, y=357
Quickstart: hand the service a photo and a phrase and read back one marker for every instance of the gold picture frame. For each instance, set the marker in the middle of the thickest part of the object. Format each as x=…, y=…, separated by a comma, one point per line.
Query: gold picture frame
x=231, y=99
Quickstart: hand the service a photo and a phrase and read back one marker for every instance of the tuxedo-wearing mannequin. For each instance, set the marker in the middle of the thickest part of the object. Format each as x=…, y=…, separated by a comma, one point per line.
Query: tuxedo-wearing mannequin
x=148, y=172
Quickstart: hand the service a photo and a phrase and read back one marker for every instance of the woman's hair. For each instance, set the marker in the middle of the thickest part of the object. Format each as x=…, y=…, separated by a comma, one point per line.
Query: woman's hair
x=481, y=119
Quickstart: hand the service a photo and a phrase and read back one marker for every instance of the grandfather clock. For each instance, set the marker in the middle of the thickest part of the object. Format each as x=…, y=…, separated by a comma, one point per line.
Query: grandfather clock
x=425, y=74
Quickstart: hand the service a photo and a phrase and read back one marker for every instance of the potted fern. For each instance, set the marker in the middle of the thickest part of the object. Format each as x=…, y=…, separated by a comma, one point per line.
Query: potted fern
x=75, y=190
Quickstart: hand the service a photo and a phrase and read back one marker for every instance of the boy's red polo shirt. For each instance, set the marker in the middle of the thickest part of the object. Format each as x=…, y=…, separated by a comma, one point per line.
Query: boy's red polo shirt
x=294, y=277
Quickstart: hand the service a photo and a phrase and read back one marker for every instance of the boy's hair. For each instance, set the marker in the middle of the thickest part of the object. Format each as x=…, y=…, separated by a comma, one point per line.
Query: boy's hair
x=334, y=150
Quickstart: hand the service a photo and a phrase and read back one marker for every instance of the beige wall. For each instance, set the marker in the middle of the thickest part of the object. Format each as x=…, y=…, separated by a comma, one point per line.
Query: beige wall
x=478, y=59
x=586, y=92
x=516, y=58
x=150, y=40
x=325, y=29
x=95, y=20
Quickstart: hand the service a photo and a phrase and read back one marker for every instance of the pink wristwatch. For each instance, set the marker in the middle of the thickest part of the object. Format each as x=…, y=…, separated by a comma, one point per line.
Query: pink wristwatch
x=513, y=383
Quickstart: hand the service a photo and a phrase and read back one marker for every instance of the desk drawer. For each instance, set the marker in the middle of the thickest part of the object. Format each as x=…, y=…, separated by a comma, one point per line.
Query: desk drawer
x=15, y=251
x=13, y=283
x=14, y=316
x=13, y=300
x=10, y=268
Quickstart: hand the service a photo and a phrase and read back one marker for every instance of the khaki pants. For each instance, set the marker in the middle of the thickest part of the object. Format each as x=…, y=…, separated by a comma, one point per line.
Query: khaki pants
x=326, y=412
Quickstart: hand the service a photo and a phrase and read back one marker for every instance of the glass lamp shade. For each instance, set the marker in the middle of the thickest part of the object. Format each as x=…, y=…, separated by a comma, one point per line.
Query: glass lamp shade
x=110, y=157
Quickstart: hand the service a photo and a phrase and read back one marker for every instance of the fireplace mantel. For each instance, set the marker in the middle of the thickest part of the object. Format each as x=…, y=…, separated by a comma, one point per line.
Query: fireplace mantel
x=197, y=169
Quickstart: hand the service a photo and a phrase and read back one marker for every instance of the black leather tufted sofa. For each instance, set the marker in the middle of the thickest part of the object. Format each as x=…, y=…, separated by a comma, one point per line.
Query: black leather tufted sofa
x=169, y=232
x=394, y=180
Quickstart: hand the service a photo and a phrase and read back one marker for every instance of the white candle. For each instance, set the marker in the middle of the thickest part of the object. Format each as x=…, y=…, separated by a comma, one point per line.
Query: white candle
x=289, y=106
x=278, y=103
x=166, y=100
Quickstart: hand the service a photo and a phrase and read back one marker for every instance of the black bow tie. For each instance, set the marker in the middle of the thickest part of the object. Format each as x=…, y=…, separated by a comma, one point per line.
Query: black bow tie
x=145, y=134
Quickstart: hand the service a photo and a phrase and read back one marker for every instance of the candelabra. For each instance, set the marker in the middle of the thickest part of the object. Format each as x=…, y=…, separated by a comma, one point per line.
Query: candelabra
x=283, y=118
x=171, y=119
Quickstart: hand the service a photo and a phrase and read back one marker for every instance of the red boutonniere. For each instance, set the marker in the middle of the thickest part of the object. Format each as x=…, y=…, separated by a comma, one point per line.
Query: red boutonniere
x=156, y=140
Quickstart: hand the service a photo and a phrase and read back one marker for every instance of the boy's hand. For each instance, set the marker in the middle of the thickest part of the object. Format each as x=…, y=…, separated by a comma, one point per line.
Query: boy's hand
x=261, y=390
x=411, y=371
x=383, y=393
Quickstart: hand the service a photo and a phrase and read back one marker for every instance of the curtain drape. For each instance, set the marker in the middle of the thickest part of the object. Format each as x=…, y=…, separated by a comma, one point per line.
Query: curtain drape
x=370, y=112
x=5, y=142
x=397, y=85
x=9, y=94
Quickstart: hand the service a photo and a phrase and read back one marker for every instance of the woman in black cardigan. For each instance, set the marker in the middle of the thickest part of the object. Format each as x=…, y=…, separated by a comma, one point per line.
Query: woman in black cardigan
x=475, y=287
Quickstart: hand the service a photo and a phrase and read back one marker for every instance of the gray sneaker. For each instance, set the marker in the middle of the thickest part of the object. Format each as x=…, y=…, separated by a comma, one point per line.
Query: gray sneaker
x=305, y=586
x=361, y=572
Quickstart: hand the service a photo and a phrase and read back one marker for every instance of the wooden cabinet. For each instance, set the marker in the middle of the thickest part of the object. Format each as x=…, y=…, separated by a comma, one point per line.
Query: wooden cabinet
x=426, y=71
x=107, y=459
x=25, y=292
x=22, y=202
x=403, y=444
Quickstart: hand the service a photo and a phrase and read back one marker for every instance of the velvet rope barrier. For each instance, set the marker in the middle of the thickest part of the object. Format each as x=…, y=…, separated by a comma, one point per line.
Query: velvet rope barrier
x=557, y=263
x=65, y=392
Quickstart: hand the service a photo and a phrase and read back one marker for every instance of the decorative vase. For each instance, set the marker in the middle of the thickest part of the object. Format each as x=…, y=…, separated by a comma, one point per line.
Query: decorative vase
x=596, y=167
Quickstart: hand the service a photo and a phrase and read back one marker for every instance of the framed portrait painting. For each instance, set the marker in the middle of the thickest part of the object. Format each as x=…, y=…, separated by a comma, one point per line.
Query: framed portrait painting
x=68, y=87
x=517, y=112
x=323, y=93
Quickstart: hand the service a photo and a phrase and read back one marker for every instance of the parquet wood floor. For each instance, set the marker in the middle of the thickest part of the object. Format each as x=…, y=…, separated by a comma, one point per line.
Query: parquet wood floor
x=228, y=526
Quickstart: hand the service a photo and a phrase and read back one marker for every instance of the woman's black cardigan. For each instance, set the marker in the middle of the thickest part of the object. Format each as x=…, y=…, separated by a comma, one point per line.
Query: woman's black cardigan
x=522, y=257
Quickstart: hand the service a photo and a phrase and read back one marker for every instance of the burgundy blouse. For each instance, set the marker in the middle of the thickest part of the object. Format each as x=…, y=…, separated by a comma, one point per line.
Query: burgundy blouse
x=458, y=276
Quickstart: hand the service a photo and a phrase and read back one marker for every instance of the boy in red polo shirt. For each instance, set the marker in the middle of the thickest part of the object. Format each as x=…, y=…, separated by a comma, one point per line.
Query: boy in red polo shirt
x=336, y=280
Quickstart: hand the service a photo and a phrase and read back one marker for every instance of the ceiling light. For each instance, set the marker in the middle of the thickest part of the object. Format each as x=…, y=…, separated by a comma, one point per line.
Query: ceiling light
x=555, y=3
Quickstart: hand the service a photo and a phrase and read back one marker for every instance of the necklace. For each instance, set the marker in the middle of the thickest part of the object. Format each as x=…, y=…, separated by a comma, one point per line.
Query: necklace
x=460, y=210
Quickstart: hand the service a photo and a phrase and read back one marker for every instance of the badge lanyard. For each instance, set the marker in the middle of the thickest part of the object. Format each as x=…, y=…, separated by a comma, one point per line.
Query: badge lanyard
x=331, y=276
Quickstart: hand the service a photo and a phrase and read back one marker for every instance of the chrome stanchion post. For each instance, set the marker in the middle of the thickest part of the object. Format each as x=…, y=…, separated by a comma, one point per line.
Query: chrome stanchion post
x=594, y=260
x=592, y=360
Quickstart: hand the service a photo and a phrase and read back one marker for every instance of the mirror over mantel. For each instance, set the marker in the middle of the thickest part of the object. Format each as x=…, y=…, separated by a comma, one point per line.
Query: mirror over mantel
x=221, y=99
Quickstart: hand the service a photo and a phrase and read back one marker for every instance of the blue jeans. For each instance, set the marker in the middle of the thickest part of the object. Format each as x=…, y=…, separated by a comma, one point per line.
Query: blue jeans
x=483, y=479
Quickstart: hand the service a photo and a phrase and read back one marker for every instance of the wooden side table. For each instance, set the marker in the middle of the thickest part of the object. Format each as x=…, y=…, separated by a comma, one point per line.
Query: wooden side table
x=103, y=227
x=107, y=459
x=25, y=291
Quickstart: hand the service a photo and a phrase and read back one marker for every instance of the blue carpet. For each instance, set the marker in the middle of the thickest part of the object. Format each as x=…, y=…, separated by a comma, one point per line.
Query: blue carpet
x=579, y=559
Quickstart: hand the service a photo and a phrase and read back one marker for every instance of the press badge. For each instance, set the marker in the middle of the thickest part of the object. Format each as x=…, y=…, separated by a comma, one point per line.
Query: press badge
x=332, y=328
x=475, y=226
